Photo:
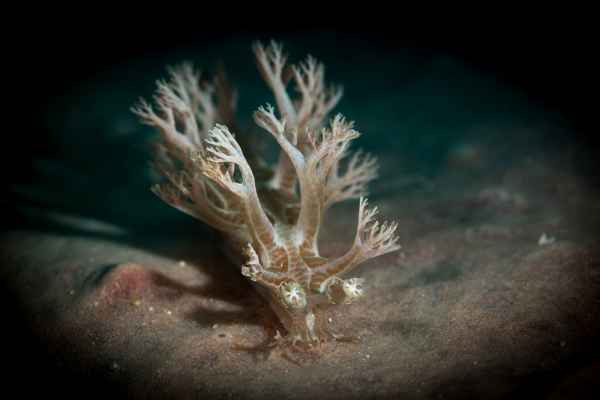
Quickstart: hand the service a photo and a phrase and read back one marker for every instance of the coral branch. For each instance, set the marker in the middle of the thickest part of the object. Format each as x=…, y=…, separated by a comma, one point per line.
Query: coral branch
x=271, y=62
x=361, y=169
x=327, y=149
x=310, y=197
x=223, y=155
x=372, y=239
x=254, y=270
x=266, y=119
x=174, y=140
x=315, y=102
x=307, y=112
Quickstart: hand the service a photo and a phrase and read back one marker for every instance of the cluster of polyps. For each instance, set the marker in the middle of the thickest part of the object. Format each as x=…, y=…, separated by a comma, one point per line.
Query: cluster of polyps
x=272, y=216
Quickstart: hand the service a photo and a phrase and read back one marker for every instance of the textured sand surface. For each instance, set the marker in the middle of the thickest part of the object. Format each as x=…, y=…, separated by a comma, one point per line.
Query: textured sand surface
x=473, y=305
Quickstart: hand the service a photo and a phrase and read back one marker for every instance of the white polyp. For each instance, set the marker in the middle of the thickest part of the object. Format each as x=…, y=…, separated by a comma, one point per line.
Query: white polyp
x=353, y=288
x=293, y=295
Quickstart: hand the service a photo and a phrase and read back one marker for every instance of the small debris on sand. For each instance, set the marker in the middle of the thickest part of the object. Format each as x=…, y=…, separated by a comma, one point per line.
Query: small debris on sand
x=546, y=240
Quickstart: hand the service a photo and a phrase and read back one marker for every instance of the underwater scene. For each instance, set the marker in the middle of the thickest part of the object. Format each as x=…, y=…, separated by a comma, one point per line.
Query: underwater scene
x=258, y=269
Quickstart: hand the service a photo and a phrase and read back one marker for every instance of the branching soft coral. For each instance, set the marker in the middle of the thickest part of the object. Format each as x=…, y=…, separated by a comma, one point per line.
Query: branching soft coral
x=273, y=219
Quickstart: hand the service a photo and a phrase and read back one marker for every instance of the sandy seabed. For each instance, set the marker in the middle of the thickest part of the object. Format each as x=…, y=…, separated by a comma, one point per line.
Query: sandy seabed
x=494, y=294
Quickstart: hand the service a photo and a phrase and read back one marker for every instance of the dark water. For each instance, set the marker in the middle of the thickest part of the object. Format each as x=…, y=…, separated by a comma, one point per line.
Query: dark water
x=416, y=107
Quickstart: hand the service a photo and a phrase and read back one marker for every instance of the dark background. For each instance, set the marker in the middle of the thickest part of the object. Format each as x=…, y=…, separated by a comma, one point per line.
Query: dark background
x=551, y=60
x=550, y=57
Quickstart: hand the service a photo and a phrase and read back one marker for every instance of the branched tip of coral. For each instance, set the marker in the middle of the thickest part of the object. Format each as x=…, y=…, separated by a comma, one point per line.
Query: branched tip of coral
x=352, y=183
x=223, y=147
x=223, y=155
x=373, y=237
x=266, y=119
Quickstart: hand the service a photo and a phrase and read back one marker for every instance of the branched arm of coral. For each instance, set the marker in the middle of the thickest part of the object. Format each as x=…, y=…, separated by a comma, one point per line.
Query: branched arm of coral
x=310, y=197
x=176, y=143
x=223, y=156
x=327, y=147
x=182, y=101
x=352, y=183
x=307, y=112
x=185, y=112
x=316, y=101
x=200, y=199
x=309, y=81
x=271, y=63
x=254, y=270
x=372, y=239
x=266, y=119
